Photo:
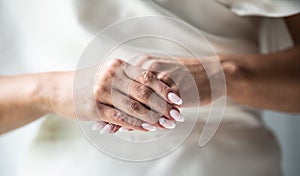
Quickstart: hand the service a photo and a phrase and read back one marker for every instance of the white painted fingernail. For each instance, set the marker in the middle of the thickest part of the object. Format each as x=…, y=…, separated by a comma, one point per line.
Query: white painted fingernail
x=167, y=123
x=148, y=127
x=176, y=115
x=98, y=126
x=174, y=98
x=123, y=129
x=106, y=129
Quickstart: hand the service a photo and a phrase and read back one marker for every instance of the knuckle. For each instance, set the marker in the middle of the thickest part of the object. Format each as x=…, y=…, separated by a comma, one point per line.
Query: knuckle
x=148, y=77
x=106, y=76
x=144, y=92
x=133, y=105
x=116, y=62
x=109, y=74
x=163, y=76
x=131, y=122
x=101, y=91
x=162, y=88
x=118, y=116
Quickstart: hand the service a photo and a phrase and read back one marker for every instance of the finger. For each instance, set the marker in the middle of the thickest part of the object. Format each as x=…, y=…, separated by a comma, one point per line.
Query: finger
x=142, y=93
x=123, y=129
x=98, y=125
x=149, y=98
x=115, y=129
x=167, y=124
x=149, y=79
x=106, y=129
x=133, y=108
x=117, y=117
x=167, y=80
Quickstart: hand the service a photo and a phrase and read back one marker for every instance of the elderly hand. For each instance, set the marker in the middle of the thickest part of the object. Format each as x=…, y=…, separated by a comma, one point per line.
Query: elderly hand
x=127, y=96
x=189, y=75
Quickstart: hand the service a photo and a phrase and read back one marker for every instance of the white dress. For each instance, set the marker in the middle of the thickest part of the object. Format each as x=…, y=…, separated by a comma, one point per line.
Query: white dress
x=241, y=146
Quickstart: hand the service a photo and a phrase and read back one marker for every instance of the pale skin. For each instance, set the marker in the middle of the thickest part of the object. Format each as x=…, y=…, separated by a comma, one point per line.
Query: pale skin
x=270, y=81
x=27, y=97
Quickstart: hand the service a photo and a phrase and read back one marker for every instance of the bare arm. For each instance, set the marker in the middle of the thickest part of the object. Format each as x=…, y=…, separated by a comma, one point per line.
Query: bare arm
x=20, y=100
x=124, y=103
x=25, y=98
x=270, y=81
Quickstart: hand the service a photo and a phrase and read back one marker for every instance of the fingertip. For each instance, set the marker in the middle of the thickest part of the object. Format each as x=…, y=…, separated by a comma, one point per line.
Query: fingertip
x=123, y=129
x=98, y=125
x=172, y=97
x=106, y=129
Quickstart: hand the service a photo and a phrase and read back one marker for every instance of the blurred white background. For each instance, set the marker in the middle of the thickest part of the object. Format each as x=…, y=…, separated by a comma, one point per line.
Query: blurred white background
x=13, y=145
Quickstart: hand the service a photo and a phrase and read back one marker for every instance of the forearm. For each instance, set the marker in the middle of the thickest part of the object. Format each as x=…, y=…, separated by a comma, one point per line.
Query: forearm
x=24, y=99
x=269, y=81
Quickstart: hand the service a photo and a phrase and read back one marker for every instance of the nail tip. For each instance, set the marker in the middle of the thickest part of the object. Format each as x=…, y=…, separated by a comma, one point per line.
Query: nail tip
x=148, y=127
x=171, y=127
x=176, y=116
x=122, y=129
x=154, y=129
x=163, y=122
x=180, y=102
x=174, y=98
x=105, y=130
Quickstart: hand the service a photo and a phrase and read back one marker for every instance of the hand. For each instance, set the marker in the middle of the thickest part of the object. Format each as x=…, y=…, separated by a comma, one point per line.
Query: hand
x=188, y=75
x=126, y=96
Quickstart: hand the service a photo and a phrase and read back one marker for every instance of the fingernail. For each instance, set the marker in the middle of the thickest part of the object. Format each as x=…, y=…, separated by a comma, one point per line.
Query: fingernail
x=123, y=129
x=174, y=98
x=167, y=123
x=148, y=127
x=106, y=129
x=176, y=115
x=98, y=126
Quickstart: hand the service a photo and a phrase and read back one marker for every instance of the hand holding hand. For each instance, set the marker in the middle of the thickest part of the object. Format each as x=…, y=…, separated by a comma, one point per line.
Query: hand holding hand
x=187, y=75
x=126, y=96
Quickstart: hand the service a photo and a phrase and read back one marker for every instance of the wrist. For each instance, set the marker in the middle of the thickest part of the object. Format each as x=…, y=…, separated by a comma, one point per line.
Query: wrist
x=239, y=73
x=44, y=83
x=39, y=91
x=54, y=89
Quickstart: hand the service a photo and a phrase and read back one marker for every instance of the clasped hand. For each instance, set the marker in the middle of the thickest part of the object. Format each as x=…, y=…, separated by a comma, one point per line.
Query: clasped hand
x=142, y=96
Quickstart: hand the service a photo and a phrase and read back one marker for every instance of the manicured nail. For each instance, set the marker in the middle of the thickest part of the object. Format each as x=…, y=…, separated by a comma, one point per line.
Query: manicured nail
x=167, y=123
x=98, y=126
x=123, y=129
x=174, y=98
x=176, y=115
x=106, y=129
x=148, y=127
